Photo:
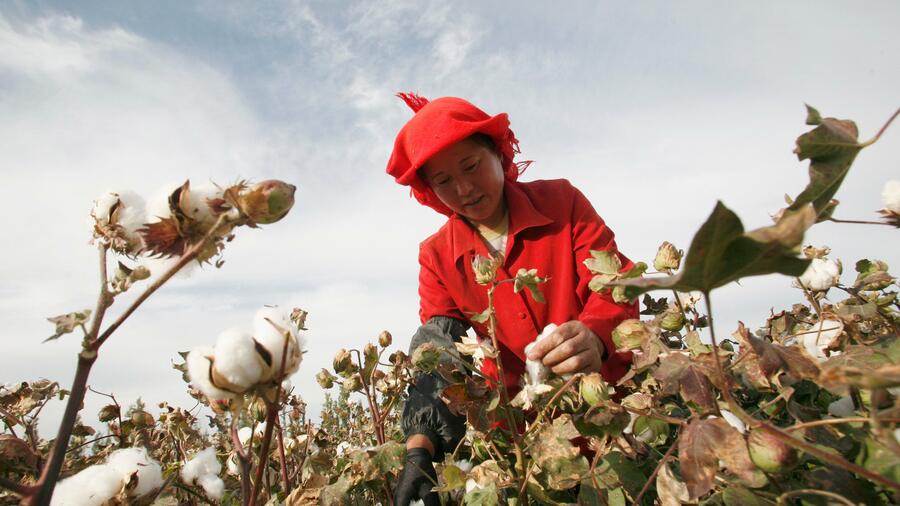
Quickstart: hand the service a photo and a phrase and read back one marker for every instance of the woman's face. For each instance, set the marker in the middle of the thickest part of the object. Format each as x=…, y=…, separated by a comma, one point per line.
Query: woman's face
x=468, y=178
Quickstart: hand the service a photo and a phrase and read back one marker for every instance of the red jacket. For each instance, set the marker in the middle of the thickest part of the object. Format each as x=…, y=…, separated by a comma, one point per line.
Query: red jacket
x=552, y=228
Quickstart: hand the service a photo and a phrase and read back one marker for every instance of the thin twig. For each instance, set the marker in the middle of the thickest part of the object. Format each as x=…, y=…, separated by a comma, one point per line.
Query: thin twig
x=883, y=128
x=18, y=488
x=783, y=498
x=836, y=421
x=82, y=445
x=861, y=222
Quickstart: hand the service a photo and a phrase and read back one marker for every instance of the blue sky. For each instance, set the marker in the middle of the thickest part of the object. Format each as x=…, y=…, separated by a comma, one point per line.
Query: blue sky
x=653, y=109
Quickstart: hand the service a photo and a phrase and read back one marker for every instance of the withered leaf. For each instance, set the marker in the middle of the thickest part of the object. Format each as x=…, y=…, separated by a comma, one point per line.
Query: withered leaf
x=679, y=374
x=774, y=358
x=702, y=444
x=15, y=451
x=66, y=323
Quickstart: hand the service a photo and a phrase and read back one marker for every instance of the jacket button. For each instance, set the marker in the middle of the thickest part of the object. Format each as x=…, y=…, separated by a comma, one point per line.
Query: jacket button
x=521, y=315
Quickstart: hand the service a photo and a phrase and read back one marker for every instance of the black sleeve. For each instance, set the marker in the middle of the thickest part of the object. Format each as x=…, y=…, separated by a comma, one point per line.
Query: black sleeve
x=424, y=412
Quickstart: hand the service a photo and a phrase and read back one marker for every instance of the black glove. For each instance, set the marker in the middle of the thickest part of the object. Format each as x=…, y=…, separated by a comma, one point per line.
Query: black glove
x=417, y=479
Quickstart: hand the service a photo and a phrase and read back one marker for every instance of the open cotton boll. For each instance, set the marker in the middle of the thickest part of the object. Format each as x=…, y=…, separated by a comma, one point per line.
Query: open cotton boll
x=535, y=370
x=204, y=462
x=197, y=202
x=237, y=360
x=821, y=336
x=890, y=196
x=129, y=460
x=92, y=486
x=821, y=274
x=198, y=368
x=269, y=327
x=212, y=485
x=245, y=433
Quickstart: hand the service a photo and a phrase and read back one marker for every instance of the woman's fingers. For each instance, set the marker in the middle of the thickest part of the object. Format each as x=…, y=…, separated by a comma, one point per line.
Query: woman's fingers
x=562, y=334
x=583, y=361
x=565, y=349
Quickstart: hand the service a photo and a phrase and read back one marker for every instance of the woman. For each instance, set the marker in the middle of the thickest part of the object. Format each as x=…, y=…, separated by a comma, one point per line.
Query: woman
x=458, y=160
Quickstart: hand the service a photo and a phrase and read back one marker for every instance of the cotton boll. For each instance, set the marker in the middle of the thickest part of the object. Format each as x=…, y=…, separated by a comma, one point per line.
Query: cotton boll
x=198, y=368
x=213, y=486
x=237, y=360
x=821, y=274
x=197, y=206
x=734, y=421
x=158, y=266
x=203, y=462
x=463, y=465
x=269, y=327
x=842, y=408
x=890, y=196
x=92, y=486
x=535, y=370
x=130, y=460
x=472, y=485
x=245, y=433
x=822, y=335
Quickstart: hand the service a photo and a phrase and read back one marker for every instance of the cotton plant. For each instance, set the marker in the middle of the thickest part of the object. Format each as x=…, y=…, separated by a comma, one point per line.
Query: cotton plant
x=186, y=226
x=822, y=273
x=890, y=197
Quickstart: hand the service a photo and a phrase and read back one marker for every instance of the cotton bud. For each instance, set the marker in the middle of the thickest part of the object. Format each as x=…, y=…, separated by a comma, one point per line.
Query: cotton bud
x=141, y=418
x=873, y=275
x=890, y=196
x=672, y=320
x=384, y=339
x=267, y=201
x=108, y=413
x=535, y=370
x=813, y=252
x=370, y=352
x=668, y=258
x=258, y=409
x=821, y=274
x=594, y=390
x=630, y=335
x=426, y=357
x=325, y=379
x=485, y=268
x=353, y=383
x=343, y=363
x=769, y=453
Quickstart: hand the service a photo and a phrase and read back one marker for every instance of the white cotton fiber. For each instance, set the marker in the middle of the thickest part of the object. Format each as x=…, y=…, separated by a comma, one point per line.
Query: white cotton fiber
x=128, y=460
x=535, y=370
x=204, y=469
x=97, y=484
x=198, y=366
x=822, y=335
x=272, y=338
x=237, y=359
x=92, y=486
x=213, y=486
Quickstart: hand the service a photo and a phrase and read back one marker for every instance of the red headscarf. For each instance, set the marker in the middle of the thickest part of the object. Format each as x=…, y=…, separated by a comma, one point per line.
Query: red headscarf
x=441, y=123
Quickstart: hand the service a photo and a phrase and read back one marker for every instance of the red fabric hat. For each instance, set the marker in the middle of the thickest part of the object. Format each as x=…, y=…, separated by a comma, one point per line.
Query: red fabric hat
x=441, y=123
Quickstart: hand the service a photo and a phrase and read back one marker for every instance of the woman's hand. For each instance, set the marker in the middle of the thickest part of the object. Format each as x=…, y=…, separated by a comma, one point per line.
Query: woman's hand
x=571, y=348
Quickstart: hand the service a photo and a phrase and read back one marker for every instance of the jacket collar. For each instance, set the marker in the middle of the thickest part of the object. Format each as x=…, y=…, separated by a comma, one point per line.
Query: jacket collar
x=522, y=215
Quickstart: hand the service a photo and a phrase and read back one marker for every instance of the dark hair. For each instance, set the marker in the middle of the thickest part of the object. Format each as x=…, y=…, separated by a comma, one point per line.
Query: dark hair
x=485, y=140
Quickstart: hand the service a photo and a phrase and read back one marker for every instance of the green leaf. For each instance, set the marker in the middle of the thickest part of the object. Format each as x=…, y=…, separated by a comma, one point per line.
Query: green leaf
x=831, y=148
x=812, y=115
x=487, y=496
x=454, y=478
x=735, y=495
x=721, y=252
x=482, y=316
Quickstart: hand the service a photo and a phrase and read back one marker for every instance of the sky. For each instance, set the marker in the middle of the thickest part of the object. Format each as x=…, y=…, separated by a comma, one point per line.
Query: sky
x=655, y=110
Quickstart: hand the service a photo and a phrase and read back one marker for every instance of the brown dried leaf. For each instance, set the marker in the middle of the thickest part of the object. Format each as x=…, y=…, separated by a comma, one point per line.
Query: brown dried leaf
x=163, y=238
x=679, y=374
x=66, y=323
x=14, y=451
x=703, y=444
x=774, y=358
x=671, y=491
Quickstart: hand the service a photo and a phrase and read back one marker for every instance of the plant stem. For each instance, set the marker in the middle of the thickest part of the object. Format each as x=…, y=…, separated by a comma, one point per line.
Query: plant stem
x=82, y=445
x=286, y=482
x=189, y=256
x=568, y=384
x=861, y=222
x=783, y=498
x=50, y=473
x=837, y=421
x=504, y=395
x=883, y=128
x=242, y=461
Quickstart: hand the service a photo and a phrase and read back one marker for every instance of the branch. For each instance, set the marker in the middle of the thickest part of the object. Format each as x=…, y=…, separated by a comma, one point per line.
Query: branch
x=783, y=498
x=652, y=477
x=18, y=488
x=883, y=128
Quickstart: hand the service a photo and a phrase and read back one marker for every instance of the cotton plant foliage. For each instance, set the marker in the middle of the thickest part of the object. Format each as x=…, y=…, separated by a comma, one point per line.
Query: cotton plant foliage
x=802, y=406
